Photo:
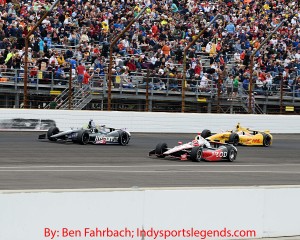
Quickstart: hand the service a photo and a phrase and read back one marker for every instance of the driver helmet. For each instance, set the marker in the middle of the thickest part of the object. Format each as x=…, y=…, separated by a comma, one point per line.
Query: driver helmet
x=91, y=124
x=195, y=143
x=202, y=141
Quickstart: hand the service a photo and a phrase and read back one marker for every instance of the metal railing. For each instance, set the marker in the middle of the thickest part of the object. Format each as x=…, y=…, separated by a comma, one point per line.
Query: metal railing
x=137, y=85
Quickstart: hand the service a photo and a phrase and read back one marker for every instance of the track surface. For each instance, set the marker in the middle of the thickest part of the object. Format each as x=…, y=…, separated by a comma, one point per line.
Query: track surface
x=26, y=163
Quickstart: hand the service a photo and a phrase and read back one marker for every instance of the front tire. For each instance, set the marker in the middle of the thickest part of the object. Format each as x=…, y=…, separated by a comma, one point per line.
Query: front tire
x=206, y=133
x=234, y=139
x=123, y=138
x=160, y=149
x=267, y=139
x=231, y=153
x=196, y=154
x=83, y=137
x=52, y=131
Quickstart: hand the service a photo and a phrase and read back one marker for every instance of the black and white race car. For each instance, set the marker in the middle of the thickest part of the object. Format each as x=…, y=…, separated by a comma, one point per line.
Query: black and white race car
x=92, y=134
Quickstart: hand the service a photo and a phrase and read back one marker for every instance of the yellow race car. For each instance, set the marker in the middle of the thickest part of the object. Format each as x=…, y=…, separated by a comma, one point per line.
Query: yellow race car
x=240, y=135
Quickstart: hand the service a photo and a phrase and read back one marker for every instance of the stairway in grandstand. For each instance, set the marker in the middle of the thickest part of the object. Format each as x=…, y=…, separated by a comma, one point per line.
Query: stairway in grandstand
x=238, y=105
x=244, y=100
x=80, y=98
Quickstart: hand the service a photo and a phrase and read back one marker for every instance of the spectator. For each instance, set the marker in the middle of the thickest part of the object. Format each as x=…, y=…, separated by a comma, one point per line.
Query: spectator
x=235, y=86
x=164, y=30
x=229, y=86
x=80, y=73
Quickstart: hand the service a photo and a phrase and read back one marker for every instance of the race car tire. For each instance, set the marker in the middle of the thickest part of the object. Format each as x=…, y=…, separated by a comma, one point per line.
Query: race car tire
x=160, y=149
x=234, y=139
x=196, y=154
x=231, y=153
x=206, y=133
x=123, y=138
x=83, y=137
x=52, y=131
x=266, y=139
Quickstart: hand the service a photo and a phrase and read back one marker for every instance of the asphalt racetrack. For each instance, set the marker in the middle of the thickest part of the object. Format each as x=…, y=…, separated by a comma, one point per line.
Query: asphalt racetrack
x=27, y=163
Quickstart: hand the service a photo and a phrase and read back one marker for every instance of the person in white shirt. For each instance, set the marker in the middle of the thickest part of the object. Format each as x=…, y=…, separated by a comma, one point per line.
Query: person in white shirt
x=203, y=82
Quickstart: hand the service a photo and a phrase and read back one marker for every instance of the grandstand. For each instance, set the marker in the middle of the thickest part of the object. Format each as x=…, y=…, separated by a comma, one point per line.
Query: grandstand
x=147, y=66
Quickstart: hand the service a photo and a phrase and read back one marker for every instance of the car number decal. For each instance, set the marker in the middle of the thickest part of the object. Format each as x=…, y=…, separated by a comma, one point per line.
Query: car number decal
x=221, y=154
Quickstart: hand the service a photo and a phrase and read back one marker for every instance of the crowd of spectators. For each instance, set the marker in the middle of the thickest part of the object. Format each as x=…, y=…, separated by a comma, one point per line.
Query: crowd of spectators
x=80, y=32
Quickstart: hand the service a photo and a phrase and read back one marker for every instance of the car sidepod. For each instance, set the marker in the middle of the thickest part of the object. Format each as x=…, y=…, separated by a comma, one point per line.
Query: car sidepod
x=114, y=137
x=226, y=152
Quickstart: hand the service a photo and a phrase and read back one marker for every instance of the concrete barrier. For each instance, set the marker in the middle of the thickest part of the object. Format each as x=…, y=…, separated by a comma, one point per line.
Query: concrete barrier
x=247, y=212
x=154, y=122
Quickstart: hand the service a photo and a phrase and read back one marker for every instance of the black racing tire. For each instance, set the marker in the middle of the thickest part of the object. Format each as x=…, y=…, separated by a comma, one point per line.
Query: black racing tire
x=160, y=149
x=267, y=139
x=52, y=131
x=83, y=137
x=123, y=138
x=206, y=133
x=234, y=139
x=231, y=153
x=196, y=154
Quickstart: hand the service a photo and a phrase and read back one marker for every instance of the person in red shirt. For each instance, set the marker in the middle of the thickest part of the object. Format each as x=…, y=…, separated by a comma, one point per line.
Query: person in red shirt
x=80, y=73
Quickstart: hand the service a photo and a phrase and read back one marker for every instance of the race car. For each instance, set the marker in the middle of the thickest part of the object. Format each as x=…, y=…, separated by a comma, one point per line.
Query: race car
x=240, y=135
x=197, y=150
x=92, y=134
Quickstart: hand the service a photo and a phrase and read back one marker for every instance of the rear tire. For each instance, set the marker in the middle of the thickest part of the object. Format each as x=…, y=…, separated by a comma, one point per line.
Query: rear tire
x=160, y=149
x=123, y=138
x=231, y=153
x=267, y=140
x=52, y=131
x=83, y=137
x=206, y=133
x=196, y=154
x=234, y=139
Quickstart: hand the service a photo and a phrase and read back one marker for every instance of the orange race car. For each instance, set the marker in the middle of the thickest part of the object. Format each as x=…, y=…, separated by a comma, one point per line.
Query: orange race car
x=240, y=135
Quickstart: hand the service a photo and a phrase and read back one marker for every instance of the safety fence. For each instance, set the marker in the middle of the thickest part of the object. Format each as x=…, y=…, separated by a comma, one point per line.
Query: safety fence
x=134, y=91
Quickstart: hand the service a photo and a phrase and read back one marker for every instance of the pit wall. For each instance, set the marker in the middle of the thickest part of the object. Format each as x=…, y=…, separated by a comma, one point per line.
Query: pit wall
x=269, y=211
x=149, y=121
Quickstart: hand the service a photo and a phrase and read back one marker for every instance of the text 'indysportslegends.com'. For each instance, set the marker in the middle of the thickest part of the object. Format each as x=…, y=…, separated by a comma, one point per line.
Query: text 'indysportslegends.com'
x=140, y=233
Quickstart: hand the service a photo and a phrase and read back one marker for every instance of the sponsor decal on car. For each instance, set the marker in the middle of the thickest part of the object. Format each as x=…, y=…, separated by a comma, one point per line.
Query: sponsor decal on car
x=104, y=139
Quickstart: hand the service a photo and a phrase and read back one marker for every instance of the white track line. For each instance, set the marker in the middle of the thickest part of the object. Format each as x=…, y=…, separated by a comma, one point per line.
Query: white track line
x=145, y=171
x=141, y=166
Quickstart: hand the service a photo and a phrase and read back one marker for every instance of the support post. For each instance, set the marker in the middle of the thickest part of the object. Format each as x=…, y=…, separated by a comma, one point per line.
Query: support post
x=147, y=90
x=281, y=96
x=25, y=100
x=250, y=110
x=219, y=92
x=184, y=59
x=252, y=64
x=70, y=88
x=114, y=41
